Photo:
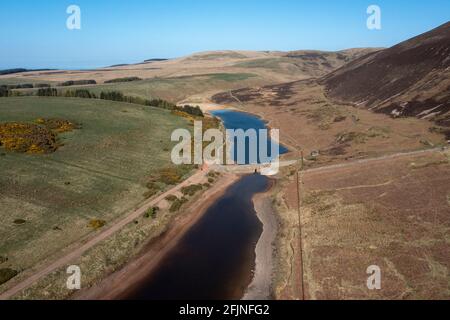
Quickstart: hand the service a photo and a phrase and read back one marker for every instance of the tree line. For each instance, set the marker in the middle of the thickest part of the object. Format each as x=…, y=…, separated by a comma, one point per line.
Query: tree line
x=77, y=83
x=120, y=97
x=25, y=86
x=4, y=92
x=126, y=79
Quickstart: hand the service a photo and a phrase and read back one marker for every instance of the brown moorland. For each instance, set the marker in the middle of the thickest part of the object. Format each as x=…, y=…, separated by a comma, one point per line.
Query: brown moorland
x=391, y=212
x=409, y=79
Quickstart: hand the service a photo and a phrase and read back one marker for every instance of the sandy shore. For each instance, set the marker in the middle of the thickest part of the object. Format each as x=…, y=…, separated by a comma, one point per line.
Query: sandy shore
x=260, y=288
x=120, y=283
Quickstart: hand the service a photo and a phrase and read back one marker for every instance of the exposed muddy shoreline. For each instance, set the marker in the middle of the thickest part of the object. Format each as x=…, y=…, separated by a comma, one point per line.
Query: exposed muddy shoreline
x=261, y=285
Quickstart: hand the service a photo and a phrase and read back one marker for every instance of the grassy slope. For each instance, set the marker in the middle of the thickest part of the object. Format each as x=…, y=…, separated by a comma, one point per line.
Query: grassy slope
x=176, y=89
x=106, y=163
x=12, y=81
x=173, y=89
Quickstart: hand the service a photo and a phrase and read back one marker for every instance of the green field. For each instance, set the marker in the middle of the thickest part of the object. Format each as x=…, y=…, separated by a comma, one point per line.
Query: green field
x=268, y=63
x=99, y=173
x=174, y=89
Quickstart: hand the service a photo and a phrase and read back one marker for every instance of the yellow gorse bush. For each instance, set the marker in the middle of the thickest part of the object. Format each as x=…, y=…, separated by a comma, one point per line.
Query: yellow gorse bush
x=33, y=138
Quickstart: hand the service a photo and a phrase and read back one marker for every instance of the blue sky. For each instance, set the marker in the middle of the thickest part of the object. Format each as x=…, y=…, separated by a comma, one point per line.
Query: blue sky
x=34, y=33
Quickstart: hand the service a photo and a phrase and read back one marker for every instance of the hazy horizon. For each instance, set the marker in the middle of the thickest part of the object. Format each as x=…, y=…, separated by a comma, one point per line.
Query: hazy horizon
x=114, y=32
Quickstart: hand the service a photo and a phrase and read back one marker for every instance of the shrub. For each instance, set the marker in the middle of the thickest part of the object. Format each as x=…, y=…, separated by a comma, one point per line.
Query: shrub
x=19, y=221
x=7, y=274
x=171, y=198
x=183, y=114
x=112, y=95
x=340, y=118
x=159, y=103
x=58, y=125
x=177, y=204
x=357, y=137
x=191, y=110
x=96, y=224
x=77, y=83
x=164, y=177
x=152, y=189
x=191, y=190
x=47, y=92
x=24, y=137
x=79, y=93
x=36, y=138
x=125, y=79
x=3, y=259
x=134, y=100
x=169, y=176
x=4, y=92
x=213, y=174
x=42, y=85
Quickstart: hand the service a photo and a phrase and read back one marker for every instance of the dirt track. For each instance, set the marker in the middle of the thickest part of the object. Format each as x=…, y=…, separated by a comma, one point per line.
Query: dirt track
x=391, y=212
x=391, y=156
x=97, y=238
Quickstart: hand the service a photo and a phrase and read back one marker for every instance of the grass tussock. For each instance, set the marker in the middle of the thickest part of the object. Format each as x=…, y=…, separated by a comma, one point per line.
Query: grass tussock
x=27, y=138
x=325, y=115
x=164, y=178
x=191, y=190
x=58, y=125
x=151, y=213
x=125, y=79
x=177, y=204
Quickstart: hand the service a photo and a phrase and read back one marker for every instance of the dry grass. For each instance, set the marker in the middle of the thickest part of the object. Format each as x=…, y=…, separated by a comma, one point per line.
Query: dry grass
x=353, y=218
x=202, y=73
x=308, y=121
x=392, y=213
x=387, y=214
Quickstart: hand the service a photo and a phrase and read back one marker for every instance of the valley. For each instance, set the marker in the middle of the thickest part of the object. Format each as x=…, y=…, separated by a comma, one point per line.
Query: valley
x=366, y=180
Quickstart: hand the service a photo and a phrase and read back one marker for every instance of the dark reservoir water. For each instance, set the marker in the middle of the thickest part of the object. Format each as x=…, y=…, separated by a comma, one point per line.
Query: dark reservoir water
x=216, y=258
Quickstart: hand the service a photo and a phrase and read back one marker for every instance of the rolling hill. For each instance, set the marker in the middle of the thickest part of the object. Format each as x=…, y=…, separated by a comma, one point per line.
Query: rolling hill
x=409, y=79
x=204, y=73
